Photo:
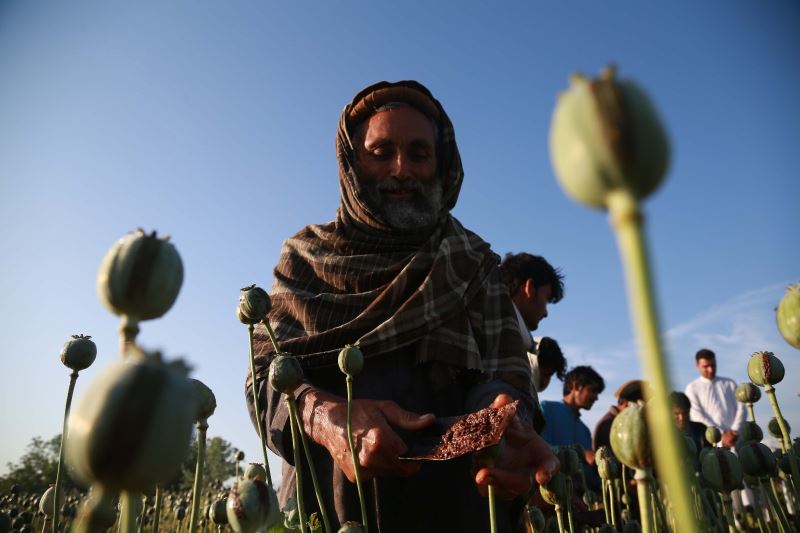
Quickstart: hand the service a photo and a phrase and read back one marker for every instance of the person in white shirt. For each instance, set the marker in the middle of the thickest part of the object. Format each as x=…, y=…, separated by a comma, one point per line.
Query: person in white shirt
x=713, y=399
x=533, y=283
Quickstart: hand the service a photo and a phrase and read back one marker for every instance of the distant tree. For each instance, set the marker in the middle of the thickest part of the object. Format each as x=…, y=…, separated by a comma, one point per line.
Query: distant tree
x=219, y=465
x=36, y=470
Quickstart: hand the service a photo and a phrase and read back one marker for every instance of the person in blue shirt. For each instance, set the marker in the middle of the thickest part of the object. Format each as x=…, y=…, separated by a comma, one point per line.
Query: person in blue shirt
x=563, y=424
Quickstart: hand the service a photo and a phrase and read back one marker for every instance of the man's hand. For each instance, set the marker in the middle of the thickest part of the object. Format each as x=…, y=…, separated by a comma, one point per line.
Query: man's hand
x=377, y=444
x=729, y=438
x=527, y=457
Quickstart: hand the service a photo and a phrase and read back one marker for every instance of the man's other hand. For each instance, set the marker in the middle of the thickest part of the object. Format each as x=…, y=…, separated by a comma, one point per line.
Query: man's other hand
x=526, y=458
x=376, y=443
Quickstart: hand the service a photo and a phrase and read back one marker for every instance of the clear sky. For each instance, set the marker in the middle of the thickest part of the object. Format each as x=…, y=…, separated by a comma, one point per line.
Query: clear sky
x=214, y=122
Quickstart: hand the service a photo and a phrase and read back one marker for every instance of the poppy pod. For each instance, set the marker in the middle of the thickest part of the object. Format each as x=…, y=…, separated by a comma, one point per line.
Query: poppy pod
x=607, y=465
x=251, y=506
x=774, y=428
x=606, y=136
x=748, y=393
x=140, y=276
x=47, y=499
x=630, y=437
x=556, y=491
x=285, y=374
x=788, y=315
x=254, y=304
x=721, y=470
x=255, y=471
x=79, y=352
x=351, y=360
x=205, y=399
x=713, y=435
x=757, y=460
x=132, y=428
x=218, y=513
x=764, y=368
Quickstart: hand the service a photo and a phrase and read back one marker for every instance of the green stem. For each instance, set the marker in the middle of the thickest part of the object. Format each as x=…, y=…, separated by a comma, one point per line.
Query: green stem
x=667, y=447
x=356, y=465
x=197, y=491
x=157, y=511
x=605, y=486
x=273, y=339
x=320, y=502
x=751, y=411
x=57, y=492
x=257, y=409
x=492, y=516
x=728, y=510
x=643, y=490
x=298, y=472
x=772, y=499
x=569, y=504
x=611, y=501
x=560, y=518
x=127, y=515
x=787, y=441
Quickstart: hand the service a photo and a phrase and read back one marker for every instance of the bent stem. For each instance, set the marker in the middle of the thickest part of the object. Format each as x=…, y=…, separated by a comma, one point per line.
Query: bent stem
x=298, y=472
x=57, y=492
x=320, y=502
x=626, y=220
x=202, y=427
x=356, y=466
x=257, y=409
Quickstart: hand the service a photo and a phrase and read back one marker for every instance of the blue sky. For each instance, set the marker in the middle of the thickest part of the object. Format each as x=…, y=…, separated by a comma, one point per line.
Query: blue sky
x=214, y=122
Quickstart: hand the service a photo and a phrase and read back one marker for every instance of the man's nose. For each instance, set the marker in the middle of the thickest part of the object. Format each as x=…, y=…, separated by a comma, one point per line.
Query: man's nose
x=400, y=165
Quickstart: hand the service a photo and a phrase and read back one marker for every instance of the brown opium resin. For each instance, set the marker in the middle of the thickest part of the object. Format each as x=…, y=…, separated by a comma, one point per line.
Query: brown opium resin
x=475, y=431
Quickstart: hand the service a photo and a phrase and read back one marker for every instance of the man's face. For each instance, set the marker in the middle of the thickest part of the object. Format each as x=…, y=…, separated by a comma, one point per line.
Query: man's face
x=545, y=375
x=586, y=396
x=681, y=417
x=397, y=166
x=707, y=368
x=535, y=308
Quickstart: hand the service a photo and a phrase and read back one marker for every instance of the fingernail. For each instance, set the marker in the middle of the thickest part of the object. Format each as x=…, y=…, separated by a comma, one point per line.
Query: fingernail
x=426, y=416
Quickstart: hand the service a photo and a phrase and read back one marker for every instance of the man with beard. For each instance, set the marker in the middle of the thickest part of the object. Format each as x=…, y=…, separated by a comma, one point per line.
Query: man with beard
x=421, y=296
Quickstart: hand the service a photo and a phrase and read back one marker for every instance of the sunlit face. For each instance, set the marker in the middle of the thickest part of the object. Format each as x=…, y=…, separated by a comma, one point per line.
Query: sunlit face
x=397, y=165
x=707, y=368
x=681, y=417
x=534, y=310
x=586, y=396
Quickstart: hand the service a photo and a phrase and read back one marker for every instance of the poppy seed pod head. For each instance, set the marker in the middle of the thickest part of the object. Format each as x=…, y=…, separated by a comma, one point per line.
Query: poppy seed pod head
x=351, y=360
x=788, y=315
x=570, y=463
x=254, y=305
x=607, y=465
x=351, y=527
x=132, y=427
x=713, y=435
x=774, y=428
x=206, y=401
x=757, y=460
x=79, y=352
x=218, y=513
x=750, y=432
x=631, y=526
x=629, y=437
x=556, y=491
x=285, y=374
x=46, y=501
x=606, y=136
x=764, y=368
x=721, y=470
x=255, y=471
x=746, y=392
x=251, y=506
x=140, y=276
x=536, y=516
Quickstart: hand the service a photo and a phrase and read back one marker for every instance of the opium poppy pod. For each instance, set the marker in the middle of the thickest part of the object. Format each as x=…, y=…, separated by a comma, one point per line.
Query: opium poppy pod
x=140, y=276
x=764, y=368
x=788, y=315
x=285, y=374
x=750, y=431
x=629, y=437
x=46, y=501
x=606, y=136
x=556, y=491
x=218, y=513
x=254, y=304
x=721, y=470
x=713, y=435
x=748, y=393
x=132, y=427
x=351, y=360
x=251, y=506
x=568, y=458
x=255, y=471
x=774, y=428
x=205, y=399
x=607, y=465
x=757, y=460
x=79, y=352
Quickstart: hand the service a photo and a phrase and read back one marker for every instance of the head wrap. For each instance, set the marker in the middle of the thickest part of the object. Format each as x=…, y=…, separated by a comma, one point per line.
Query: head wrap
x=355, y=280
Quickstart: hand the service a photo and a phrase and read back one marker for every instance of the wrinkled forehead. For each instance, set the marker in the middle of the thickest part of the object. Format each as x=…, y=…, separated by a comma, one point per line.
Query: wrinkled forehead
x=396, y=121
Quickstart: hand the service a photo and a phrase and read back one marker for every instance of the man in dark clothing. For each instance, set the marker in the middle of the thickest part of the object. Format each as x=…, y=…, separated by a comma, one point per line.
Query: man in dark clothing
x=421, y=296
x=681, y=406
x=630, y=391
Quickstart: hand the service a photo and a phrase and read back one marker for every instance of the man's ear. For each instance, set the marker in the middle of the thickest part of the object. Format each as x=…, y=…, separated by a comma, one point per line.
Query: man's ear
x=528, y=288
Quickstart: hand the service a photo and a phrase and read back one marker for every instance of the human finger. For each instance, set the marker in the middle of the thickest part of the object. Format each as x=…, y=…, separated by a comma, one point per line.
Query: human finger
x=508, y=484
x=399, y=417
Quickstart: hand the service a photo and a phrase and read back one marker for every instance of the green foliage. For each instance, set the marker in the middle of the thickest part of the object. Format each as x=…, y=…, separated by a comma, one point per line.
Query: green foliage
x=36, y=469
x=219, y=465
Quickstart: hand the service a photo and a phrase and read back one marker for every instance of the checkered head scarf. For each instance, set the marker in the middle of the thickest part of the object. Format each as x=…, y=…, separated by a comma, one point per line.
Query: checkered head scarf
x=356, y=280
